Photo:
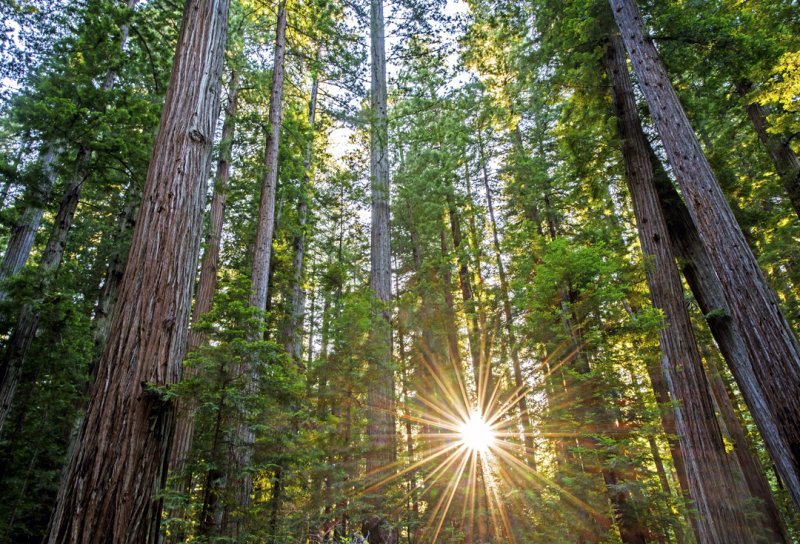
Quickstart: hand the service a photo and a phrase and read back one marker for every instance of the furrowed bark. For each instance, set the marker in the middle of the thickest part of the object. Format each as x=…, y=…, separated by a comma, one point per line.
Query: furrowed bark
x=207, y=284
x=705, y=287
x=714, y=479
x=754, y=309
x=109, y=490
x=380, y=391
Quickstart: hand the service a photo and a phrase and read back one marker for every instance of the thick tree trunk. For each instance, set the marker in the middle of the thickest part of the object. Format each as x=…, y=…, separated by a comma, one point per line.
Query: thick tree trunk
x=109, y=490
x=291, y=333
x=705, y=286
x=783, y=156
x=207, y=284
x=754, y=308
x=714, y=479
x=24, y=231
x=380, y=390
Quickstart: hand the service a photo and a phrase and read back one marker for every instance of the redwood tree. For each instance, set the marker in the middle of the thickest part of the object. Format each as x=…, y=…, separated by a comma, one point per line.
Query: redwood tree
x=714, y=478
x=767, y=336
x=119, y=464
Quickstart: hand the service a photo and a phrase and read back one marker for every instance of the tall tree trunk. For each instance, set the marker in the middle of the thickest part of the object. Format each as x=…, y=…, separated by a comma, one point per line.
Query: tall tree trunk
x=780, y=151
x=774, y=528
x=714, y=479
x=207, y=284
x=109, y=490
x=24, y=231
x=263, y=245
x=754, y=308
x=291, y=333
x=28, y=323
x=380, y=390
x=266, y=208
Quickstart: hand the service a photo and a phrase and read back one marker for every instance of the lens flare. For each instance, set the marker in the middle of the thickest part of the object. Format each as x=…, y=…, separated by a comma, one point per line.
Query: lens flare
x=476, y=434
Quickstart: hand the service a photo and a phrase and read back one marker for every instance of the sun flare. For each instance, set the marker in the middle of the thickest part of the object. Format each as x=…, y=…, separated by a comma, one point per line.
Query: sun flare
x=476, y=434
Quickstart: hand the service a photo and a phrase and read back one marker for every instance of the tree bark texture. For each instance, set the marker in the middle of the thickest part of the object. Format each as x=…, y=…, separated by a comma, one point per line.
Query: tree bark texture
x=707, y=291
x=109, y=490
x=207, y=284
x=266, y=207
x=754, y=308
x=715, y=480
x=380, y=393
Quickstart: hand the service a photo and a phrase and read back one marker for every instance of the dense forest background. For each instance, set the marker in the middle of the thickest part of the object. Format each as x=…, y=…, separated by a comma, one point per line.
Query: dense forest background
x=422, y=271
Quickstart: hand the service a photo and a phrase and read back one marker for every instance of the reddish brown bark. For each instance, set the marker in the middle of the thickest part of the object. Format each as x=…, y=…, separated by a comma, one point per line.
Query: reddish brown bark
x=108, y=493
x=207, y=284
x=714, y=478
x=754, y=309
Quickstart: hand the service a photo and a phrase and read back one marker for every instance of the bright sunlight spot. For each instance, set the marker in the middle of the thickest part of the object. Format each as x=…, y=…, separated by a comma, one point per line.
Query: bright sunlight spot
x=476, y=434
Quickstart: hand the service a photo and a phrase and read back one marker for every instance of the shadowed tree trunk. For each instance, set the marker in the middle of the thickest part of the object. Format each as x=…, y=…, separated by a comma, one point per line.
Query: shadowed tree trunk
x=28, y=322
x=24, y=232
x=715, y=480
x=753, y=308
x=380, y=389
x=109, y=489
